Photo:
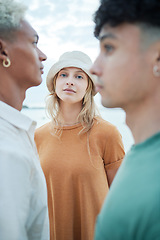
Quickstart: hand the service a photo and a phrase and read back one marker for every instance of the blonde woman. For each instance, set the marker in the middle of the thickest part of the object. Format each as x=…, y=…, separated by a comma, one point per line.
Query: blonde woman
x=79, y=151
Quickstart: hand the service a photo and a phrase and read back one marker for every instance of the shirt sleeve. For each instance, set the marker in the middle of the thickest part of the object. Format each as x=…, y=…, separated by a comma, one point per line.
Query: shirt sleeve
x=113, y=153
x=14, y=194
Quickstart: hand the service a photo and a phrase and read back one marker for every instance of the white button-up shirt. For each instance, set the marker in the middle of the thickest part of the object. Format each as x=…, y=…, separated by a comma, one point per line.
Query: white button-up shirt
x=23, y=193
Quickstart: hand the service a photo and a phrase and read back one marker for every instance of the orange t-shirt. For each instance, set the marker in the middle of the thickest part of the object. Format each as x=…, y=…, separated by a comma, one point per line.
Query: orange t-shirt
x=75, y=168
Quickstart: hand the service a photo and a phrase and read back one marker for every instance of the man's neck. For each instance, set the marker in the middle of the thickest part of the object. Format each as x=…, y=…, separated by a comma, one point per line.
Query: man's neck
x=144, y=121
x=12, y=97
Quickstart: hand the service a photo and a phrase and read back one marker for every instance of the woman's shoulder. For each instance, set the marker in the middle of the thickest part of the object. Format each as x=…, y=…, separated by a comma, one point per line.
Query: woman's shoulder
x=43, y=129
x=101, y=123
x=105, y=129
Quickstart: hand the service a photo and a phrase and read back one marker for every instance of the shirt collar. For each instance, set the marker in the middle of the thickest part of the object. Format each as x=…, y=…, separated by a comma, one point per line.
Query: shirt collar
x=16, y=118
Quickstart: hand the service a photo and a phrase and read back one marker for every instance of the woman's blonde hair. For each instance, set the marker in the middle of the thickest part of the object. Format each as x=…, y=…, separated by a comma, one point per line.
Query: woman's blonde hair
x=87, y=113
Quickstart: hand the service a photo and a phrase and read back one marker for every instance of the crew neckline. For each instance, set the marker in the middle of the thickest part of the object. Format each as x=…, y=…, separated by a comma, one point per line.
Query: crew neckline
x=146, y=142
x=68, y=127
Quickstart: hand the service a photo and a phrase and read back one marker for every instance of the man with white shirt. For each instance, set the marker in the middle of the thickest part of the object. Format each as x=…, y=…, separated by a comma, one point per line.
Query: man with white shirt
x=23, y=193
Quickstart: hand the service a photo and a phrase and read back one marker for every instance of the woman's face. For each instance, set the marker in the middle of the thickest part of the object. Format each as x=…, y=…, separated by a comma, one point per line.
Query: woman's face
x=26, y=58
x=71, y=85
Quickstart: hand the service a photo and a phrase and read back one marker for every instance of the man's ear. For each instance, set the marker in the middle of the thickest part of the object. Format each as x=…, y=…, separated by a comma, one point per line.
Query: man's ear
x=156, y=60
x=3, y=50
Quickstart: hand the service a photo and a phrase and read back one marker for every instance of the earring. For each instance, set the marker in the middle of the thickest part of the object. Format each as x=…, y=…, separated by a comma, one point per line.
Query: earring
x=6, y=63
x=156, y=71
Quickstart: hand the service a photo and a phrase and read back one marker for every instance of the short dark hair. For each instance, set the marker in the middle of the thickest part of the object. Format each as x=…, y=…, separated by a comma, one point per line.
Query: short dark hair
x=116, y=12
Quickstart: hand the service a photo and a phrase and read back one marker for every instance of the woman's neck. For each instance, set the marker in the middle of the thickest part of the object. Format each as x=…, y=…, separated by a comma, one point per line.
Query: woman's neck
x=69, y=114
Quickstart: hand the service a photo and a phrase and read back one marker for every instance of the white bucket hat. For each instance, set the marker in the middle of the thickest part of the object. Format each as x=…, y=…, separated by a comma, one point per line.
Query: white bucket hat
x=71, y=59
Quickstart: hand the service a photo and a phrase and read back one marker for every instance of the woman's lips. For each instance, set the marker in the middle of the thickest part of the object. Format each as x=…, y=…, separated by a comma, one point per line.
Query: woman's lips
x=69, y=90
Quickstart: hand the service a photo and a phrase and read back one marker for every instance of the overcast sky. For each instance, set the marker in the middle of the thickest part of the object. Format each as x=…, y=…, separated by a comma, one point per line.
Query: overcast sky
x=62, y=25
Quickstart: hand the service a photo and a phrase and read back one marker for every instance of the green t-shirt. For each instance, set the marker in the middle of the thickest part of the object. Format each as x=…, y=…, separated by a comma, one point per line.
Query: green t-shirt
x=131, y=210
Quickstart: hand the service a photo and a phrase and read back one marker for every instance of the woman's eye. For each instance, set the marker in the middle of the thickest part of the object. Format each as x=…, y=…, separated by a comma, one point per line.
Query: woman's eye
x=79, y=77
x=63, y=75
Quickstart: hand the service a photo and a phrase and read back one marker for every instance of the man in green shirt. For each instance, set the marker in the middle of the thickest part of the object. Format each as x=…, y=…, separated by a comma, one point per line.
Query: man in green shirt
x=128, y=70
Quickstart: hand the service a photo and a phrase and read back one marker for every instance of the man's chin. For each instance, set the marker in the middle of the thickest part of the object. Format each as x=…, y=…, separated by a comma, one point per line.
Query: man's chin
x=38, y=82
x=107, y=104
x=34, y=84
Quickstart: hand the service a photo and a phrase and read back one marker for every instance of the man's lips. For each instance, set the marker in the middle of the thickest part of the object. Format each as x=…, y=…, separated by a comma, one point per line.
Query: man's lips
x=69, y=90
x=41, y=69
x=98, y=87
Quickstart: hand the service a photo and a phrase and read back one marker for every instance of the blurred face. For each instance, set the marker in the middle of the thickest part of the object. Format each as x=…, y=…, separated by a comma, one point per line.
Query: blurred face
x=124, y=70
x=71, y=85
x=26, y=59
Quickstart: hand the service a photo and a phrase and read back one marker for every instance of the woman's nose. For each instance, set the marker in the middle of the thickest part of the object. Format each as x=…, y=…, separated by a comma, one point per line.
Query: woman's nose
x=69, y=82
